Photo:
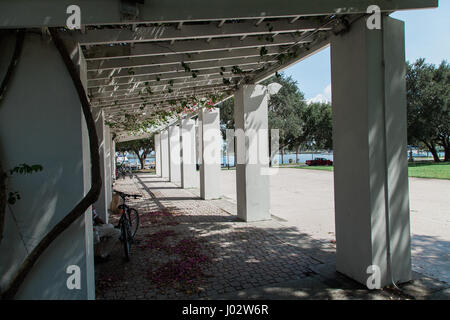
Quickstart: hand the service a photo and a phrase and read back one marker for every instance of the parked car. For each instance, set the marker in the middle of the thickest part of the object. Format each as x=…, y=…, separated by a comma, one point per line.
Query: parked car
x=319, y=162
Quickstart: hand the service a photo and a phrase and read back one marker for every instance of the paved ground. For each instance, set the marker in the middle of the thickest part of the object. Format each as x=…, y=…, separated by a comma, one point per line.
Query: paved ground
x=189, y=248
x=304, y=198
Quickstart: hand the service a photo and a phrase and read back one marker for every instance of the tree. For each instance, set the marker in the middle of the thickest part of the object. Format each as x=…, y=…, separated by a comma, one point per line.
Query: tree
x=442, y=78
x=285, y=112
x=428, y=106
x=318, y=129
x=141, y=148
x=285, y=109
x=226, y=116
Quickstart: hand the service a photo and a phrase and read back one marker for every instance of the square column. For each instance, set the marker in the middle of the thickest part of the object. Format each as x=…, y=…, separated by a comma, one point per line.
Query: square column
x=252, y=152
x=108, y=169
x=113, y=159
x=42, y=99
x=157, y=138
x=188, y=154
x=210, y=146
x=370, y=156
x=102, y=204
x=198, y=147
x=165, y=154
x=174, y=154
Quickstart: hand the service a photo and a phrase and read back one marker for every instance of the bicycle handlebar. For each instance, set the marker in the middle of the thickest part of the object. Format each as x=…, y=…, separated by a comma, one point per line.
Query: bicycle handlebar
x=124, y=195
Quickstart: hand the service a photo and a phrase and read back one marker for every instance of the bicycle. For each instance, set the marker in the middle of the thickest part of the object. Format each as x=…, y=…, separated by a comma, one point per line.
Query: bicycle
x=128, y=222
x=123, y=172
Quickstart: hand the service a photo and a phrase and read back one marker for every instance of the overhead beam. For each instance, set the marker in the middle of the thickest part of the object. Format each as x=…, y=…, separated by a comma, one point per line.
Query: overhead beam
x=112, y=94
x=40, y=13
x=153, y=70
x=165, y=95
x=136, y=86
x=165, y=76
x=163, y=98
x=187, y=46
x=188, y=32
x=122, y=97
x=137, y=62
x=159, y=97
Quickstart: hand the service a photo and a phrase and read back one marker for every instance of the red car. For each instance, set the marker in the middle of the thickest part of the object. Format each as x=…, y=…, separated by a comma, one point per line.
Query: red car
x=319, y=162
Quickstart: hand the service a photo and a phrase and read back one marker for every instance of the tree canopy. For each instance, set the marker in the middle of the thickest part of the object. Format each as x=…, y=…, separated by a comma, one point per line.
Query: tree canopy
x=285, y=111
x=317, y=127
x=141, y=148
x=301, y=125
x=428, y=92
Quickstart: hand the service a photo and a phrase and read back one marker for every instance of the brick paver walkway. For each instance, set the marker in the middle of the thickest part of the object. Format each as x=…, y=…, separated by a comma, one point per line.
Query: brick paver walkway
x=190, y=248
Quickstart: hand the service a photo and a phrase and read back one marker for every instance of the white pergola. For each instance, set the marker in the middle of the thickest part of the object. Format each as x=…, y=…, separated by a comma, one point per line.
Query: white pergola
x=143, y=66
x=141, y=57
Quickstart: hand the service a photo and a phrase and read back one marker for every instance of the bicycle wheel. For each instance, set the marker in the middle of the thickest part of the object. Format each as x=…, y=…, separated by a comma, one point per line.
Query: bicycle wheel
x=133, y=217
x=126, y=239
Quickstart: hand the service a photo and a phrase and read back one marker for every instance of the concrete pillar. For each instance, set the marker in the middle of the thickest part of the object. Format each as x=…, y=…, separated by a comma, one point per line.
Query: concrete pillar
x=165, y=154
x=101, y=205
x=210, y=145
x=229, y=138
x=252, y=152
x=188, y=154
x=41, y=122
x=157, y=138
x=113, y=158
x=174, y=154
x=197, y=143
x=370, y=158
x=108, y=169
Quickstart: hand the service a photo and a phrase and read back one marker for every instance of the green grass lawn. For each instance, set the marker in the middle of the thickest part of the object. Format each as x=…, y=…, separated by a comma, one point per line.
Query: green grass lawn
x=429, y=170
x=415, y=169
x=323, y=168
x=146, y=171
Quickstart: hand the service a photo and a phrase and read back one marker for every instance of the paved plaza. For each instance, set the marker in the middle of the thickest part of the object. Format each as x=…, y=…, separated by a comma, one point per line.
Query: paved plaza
x=305, y=200
x=187, y=248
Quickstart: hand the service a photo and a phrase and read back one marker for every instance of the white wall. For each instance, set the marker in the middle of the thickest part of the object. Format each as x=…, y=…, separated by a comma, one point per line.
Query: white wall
x=41, y=122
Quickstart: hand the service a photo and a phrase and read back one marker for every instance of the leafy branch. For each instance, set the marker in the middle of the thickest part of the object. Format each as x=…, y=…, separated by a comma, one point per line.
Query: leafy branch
x=14, y=196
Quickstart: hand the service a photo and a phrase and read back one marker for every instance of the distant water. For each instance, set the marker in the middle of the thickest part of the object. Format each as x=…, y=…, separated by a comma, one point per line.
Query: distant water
x=302, y=157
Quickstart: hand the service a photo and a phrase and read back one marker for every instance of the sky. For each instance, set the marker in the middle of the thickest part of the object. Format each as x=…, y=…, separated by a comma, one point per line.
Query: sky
x=427, y=35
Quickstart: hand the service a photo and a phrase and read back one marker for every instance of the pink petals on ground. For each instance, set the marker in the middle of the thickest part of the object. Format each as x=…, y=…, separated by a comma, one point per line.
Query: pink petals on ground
x=184, y=272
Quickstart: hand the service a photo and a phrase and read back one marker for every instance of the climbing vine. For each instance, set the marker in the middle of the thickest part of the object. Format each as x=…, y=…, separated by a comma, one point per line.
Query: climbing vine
x=139, y=123
x=151, y=115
